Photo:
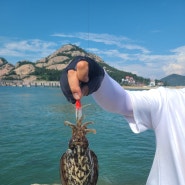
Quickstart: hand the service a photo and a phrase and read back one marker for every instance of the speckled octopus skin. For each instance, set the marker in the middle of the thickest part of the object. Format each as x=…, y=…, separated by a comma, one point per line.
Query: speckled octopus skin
x=79, y=164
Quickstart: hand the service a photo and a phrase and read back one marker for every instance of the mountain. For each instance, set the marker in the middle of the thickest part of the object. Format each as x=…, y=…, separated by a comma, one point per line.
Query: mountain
x=5, y=67
x=49, y=68
x=174, y=80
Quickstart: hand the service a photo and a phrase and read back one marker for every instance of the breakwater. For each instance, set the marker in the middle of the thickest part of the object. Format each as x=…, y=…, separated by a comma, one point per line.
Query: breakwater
x=21, y=83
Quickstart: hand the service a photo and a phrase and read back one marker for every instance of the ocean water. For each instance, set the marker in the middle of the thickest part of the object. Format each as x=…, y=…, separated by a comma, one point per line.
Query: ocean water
x=33, y=138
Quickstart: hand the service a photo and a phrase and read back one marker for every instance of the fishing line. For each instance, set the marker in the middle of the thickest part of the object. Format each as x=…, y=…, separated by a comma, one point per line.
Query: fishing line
x=88, y=24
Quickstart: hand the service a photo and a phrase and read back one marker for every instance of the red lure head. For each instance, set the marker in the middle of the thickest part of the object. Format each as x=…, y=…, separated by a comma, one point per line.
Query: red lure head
x=78, y=104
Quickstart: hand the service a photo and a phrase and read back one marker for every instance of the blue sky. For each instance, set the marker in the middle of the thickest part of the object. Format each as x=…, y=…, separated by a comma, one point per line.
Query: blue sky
x=145, y=37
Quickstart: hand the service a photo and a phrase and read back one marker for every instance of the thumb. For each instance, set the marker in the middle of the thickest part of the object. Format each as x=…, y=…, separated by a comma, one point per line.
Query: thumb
x=82, y=69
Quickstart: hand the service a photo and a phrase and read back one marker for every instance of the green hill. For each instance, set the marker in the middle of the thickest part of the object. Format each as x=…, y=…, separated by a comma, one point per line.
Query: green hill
x=174, y=80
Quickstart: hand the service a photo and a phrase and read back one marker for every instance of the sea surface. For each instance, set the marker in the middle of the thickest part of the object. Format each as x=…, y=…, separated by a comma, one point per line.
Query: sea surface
x=33, y=138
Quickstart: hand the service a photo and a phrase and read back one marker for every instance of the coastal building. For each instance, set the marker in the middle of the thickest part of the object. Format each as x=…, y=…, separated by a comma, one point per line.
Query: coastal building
x=128, y=80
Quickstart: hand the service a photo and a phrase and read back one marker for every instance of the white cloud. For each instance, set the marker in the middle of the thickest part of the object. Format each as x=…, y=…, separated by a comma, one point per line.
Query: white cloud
x=177, y=64
x=147, y=65
x=179, y=50
x=27, y=49
x=107, y=39
x=112, y=53
x=174, y=68
x=179, y=54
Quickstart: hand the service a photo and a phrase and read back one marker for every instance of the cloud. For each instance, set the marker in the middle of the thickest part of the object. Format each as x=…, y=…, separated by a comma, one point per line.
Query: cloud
x=147, y=65
x=28, y=49
x=34, y=45
x=107, y=39
x=179, y=53
x=174, y=68
x=112, y=53
x=177, y=63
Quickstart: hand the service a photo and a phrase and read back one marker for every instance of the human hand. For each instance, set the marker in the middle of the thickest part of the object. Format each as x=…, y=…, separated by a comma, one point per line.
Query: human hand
x=81, y=77
x=78, y=76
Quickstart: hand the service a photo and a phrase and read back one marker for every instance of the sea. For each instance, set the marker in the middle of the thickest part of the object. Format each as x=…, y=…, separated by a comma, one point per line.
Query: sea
x=33, y=138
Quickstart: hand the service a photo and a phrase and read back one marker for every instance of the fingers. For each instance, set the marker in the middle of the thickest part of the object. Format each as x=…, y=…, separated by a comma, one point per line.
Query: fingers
x=74, y=84
x=74, y=78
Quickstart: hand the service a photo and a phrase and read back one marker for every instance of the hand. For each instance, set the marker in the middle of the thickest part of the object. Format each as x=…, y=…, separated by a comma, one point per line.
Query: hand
x=81, y=77
x=77, y=76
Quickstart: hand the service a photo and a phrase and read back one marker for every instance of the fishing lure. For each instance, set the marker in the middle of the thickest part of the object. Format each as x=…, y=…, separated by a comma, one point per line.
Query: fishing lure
x=79, y=164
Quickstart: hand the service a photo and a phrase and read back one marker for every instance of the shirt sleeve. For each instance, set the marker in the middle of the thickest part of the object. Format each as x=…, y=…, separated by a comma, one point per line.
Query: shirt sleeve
x=138, y=107
x=147, y=108
x=112, y=97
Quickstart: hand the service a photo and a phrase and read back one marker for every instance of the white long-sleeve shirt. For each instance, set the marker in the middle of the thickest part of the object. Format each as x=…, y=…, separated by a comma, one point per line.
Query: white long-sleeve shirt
x=162, y=110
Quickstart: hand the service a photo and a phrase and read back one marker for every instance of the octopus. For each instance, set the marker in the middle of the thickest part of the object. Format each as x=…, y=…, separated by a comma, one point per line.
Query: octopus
x=79, y=164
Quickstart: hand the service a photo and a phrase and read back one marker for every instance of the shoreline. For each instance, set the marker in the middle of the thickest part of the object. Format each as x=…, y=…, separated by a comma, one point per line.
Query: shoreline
x=19, y=83
x=37, y=83
x=150, y=87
